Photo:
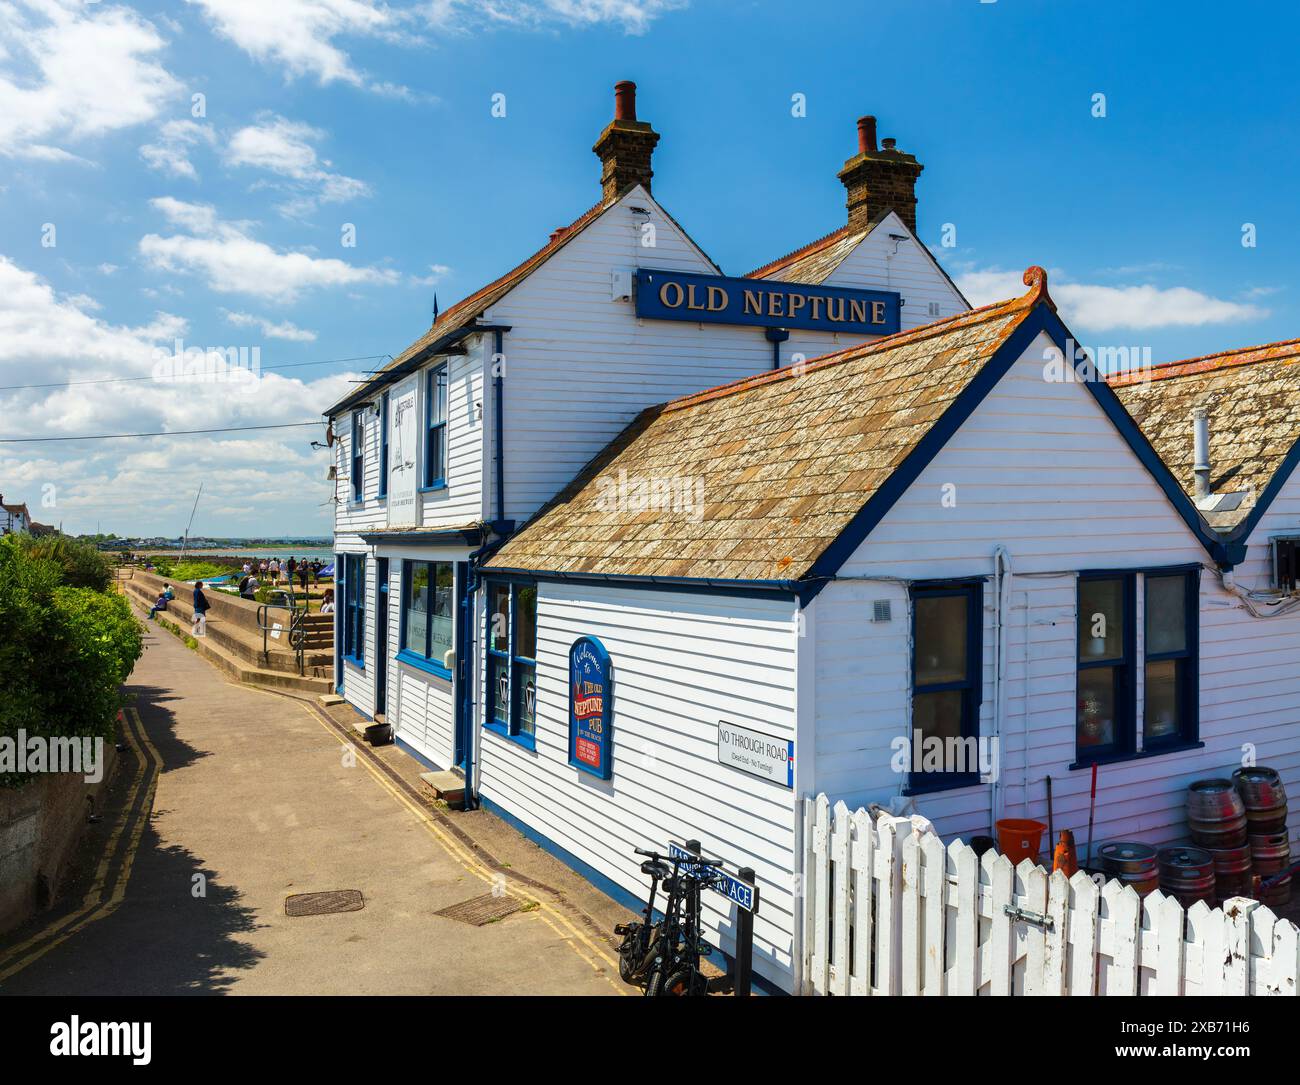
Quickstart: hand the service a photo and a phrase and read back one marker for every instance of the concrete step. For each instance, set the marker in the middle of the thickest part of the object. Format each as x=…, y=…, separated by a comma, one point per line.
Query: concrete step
x=448, y=786
x=247, y=645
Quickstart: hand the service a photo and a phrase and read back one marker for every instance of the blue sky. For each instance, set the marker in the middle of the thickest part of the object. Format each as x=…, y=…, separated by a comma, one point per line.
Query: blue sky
x=225, y=229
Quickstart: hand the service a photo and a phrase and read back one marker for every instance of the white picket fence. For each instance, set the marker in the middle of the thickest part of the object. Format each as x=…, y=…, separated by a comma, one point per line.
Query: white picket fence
x=891, y=911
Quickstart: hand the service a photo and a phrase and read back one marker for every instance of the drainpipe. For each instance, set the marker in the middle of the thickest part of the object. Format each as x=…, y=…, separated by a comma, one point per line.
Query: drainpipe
x=498, y=395
x=776, y=336
x=1001, y=593
x=1201, y=451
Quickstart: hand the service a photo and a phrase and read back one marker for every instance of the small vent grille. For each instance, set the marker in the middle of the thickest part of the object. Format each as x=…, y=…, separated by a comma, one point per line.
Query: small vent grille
x=881, y=611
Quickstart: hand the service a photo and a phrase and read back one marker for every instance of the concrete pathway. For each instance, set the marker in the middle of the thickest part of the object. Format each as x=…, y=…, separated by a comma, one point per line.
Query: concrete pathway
x=257, y=797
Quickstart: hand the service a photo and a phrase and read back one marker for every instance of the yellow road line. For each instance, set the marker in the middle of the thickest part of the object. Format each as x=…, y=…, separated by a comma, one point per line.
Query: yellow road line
x=472, y=863
x=95, y=905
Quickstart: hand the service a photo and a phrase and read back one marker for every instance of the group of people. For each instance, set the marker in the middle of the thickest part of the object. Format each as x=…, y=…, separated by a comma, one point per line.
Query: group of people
x=275, y=571
x=199, y=623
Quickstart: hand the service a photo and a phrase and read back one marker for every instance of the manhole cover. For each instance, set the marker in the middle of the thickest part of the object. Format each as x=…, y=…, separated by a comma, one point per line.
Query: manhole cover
x=336, y=900
x=481, y=910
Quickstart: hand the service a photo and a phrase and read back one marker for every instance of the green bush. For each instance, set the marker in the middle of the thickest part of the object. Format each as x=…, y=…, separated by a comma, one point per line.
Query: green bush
x=82, y=565
x=65, y=651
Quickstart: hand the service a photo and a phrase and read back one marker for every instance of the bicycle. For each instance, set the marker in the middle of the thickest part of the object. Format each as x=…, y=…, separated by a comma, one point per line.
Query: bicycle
x=675, y=950
x=639, y=936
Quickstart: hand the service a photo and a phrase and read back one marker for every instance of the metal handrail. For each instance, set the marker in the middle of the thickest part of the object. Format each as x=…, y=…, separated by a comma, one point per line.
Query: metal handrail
x=296, y=629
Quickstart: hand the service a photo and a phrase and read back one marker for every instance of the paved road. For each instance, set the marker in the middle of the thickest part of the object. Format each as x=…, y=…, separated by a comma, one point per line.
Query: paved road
x=257, y=798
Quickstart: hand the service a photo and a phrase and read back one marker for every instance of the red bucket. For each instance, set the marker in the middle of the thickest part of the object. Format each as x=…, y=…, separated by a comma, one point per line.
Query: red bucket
x=1020, y=838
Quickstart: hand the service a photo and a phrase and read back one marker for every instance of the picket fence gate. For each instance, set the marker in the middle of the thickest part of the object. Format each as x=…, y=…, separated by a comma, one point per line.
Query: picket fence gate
x=891, y=911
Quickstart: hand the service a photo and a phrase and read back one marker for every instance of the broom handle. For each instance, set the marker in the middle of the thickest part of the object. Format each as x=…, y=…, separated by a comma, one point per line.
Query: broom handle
x=1092, y=810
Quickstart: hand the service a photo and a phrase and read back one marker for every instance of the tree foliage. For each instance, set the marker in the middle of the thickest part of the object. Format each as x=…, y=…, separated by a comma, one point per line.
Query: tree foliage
x=65, y=649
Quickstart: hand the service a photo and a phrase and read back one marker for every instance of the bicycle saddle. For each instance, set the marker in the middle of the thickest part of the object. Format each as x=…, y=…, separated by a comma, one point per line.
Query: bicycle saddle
x=653, y=868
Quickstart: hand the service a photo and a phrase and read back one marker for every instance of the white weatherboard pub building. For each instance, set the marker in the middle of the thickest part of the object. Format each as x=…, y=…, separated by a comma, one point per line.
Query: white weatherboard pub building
x=648, y=553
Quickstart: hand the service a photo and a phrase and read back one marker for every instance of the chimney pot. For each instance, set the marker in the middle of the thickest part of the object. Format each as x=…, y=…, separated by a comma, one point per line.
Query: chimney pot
x=877, y=181
x=888, y=143
x=625, y=101
x=626, y=146
x=866, y=134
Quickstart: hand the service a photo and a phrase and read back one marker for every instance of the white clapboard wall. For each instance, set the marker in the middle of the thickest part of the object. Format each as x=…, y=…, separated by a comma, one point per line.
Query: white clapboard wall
x=887, y=910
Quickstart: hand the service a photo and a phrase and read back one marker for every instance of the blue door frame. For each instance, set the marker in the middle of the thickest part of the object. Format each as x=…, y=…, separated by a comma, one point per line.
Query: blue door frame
x=338, y=624
x=463, y=716
x=381, y=635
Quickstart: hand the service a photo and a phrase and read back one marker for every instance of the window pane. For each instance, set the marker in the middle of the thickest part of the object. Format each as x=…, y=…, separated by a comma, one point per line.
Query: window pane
x=417, y=607
x=1096, y=721
x=938, y=715
x=440, y=634
x=499, y=689
x=1162, y=715
x=526, y=694
x=438, y=402
x=1166, y=619
x=941, y=639
x=526, y=622
x=1101, y=619
x=499, y=617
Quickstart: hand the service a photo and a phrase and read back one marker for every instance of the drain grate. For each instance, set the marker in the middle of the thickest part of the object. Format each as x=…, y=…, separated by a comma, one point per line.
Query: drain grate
x=479, y=911
x=336, y=900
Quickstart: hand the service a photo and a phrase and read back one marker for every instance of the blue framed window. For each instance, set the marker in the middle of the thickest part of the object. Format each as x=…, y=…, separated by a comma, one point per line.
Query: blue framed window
x=354, y=608
x=1110, y=657
x=428, y=606
x=435, y=427
x=947, y=683
x=1170, y=715
x=512, y=660
x=1106, y=693
x=383, y=445
x=358, y=450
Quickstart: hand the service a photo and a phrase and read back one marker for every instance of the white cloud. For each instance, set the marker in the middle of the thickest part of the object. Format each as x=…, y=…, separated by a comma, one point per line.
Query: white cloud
x=437, y=272
x=1103, y=308
x=284, y=147
x=170, y=154
x=233, y=262
x=271, y=329
x=71, y=71
x=300, y=34
x=146, y=485
x=633, y=16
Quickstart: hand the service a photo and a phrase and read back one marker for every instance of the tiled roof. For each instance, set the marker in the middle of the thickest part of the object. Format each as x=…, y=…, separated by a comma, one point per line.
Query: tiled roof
x=814, y=262
x=755, y=479
x=1253, y=399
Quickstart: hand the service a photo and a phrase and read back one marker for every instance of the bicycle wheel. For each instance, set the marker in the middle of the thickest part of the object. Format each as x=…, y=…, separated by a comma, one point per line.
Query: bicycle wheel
x=684, y=982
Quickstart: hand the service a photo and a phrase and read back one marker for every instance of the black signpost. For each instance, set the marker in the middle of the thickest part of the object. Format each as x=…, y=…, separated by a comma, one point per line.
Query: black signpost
x=742, y=889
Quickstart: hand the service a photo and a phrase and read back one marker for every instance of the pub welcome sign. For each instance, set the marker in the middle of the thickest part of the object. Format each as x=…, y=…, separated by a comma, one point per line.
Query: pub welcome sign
x=591, y=708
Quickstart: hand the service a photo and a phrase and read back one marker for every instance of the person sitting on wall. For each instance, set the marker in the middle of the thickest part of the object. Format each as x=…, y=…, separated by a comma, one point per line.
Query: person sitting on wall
x=164, y=597
x=248, y=589
x=327, y=603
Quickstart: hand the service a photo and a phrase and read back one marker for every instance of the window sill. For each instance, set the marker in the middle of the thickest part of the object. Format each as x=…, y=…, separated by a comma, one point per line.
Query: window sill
x=1139, y=755
x=949, y=781
x=355, y=662
x=421, y=664
x=528, y=742
x=434, y=487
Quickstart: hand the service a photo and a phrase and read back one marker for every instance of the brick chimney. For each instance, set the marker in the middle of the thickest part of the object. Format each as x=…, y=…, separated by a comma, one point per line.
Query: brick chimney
x=626, y=145
x=879, y=179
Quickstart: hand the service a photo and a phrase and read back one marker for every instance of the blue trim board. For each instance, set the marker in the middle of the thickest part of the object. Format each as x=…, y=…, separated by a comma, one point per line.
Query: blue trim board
x=420, y=663
x=1237, y=539
x=608, y=886
x=695, y=585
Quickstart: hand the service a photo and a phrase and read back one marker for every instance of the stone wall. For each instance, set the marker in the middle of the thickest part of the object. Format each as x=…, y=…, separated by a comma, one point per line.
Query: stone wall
x=41, y=825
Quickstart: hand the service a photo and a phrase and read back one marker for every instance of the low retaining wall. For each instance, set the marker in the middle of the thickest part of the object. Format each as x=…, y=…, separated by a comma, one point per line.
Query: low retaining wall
x=226, y=608
x=41, y=825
